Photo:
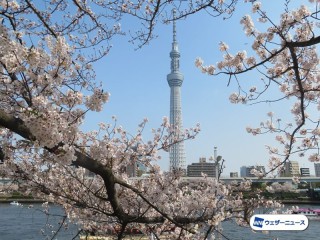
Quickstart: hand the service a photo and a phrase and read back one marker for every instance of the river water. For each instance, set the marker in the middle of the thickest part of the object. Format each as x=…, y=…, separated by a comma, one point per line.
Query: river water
x=23, y=223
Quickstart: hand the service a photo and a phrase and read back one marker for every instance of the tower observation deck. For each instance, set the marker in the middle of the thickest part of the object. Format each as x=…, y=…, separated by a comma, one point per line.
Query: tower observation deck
x=175, y=80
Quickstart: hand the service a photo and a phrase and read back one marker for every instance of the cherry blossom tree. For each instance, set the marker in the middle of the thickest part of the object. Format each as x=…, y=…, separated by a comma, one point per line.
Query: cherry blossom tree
x=47, y=86
x=285, y=57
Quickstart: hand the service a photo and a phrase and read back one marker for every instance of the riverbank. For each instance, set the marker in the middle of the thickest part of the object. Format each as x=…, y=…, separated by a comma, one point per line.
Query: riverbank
x=31, y=200
x=18, y=197
x=138, y=237
x=298, y=202
x=21, y=200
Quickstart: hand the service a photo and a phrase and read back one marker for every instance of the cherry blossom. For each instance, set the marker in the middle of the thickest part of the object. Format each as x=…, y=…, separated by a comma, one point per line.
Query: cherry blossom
x=285, y=56
x=47, y=87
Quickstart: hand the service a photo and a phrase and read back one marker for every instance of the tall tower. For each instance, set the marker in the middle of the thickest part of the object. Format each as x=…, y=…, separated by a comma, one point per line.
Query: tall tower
x=175, y=79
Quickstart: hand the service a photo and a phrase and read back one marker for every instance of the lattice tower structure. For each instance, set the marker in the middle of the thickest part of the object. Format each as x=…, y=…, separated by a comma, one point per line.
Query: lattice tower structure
x=175, y=80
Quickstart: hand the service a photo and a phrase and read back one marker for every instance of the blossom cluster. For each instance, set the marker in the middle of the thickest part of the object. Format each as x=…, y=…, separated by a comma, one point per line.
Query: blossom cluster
x=278, y=187
x=46, y=88
x=285, y=55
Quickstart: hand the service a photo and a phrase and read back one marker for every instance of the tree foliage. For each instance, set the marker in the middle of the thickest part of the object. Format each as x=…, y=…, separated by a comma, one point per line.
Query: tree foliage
x=285, y=56
x=47, y=86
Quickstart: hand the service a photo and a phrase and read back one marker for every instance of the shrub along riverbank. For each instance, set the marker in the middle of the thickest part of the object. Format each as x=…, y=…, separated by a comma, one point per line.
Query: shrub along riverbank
x=18, y=197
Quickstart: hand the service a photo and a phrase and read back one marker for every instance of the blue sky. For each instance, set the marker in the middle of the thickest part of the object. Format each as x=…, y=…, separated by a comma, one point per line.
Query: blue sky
x=137, y=82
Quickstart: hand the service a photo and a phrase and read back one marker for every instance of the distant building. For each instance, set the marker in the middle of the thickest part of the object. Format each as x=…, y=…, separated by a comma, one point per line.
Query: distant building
x=290, y=168
x=317, y=169
x=208, y=168
x=245, y=171
x=305, y=172
x=131, y=170
x=234, y=174
x=141, y=169
x=136, y=169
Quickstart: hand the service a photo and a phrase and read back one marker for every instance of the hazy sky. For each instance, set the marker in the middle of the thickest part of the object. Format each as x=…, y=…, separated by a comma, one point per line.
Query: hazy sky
x=138, y=86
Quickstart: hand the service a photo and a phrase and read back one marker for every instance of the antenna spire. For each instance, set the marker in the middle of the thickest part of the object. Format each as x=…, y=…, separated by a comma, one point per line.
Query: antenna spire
x=174, y=54
x=174, y=25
